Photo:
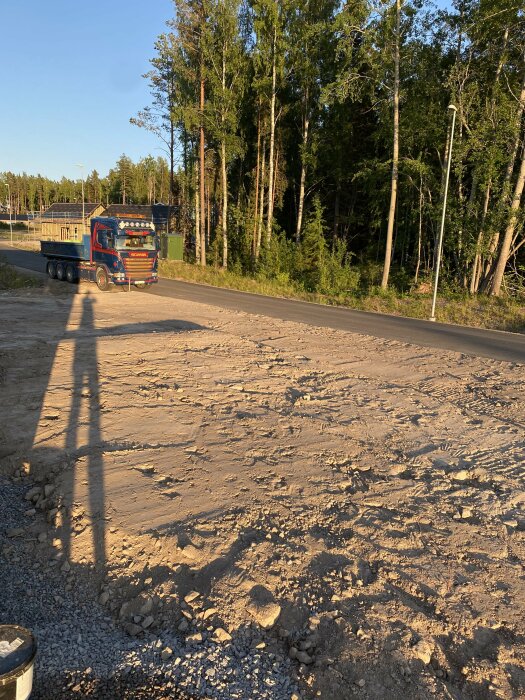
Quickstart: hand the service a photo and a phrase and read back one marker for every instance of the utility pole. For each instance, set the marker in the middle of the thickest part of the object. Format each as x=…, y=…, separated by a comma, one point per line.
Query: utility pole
x=454, y=110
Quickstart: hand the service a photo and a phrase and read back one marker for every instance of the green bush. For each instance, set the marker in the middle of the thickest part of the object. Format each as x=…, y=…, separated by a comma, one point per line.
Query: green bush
x=313, y=250
x=339, y=277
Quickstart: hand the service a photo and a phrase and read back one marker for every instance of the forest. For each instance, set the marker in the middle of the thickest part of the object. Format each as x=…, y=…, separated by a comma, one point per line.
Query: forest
x=306, y=141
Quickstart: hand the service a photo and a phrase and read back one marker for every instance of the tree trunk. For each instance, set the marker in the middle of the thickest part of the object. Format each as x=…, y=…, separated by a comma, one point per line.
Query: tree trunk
x=509, y=231
x=461, y=197
x=224, y=175
x=395, y=157
x=306, y=123
x=420, y=229
x=224, y=206
x=172, y=163
x=275, y=173
x=197, y=216
x=269, y=221
x=492, y=262
x=477, y=265
x=208, y=213
x=478, y=260
x=337, y=205
x=261, y=199
x=201, y=178
x=257, y=169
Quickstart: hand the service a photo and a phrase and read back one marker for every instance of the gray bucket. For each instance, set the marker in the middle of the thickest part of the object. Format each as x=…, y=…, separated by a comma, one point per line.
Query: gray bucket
x=17, y=658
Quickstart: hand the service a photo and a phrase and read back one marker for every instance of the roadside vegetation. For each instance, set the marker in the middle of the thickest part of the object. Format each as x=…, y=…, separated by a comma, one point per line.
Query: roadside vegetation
x=12, y=279
x=306, y=150
x=498, y=313
x=5, y=228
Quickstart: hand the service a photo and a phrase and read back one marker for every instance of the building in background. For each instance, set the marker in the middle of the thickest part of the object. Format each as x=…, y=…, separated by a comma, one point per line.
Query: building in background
x=63, y=221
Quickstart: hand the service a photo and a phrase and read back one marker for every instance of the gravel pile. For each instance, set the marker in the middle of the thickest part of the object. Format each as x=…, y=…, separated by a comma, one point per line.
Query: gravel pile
x=82, y=652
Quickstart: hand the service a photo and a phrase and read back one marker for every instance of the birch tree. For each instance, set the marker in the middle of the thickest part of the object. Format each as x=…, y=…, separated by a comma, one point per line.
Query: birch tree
x=395, y=149
x=312, y=44
x=227, y=70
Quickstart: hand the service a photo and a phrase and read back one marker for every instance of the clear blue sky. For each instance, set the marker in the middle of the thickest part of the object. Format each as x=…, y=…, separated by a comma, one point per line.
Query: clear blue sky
x=70, y=79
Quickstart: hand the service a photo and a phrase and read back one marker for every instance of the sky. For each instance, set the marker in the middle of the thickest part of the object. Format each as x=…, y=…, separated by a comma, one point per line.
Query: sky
x=71, y=78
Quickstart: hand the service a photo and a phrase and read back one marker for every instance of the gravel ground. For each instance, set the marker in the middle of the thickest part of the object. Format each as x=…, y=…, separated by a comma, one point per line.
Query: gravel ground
x=83, y=653
x=226, y=505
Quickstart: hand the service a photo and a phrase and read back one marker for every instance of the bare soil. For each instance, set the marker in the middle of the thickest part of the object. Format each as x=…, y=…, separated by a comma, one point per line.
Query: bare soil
x=361, y=500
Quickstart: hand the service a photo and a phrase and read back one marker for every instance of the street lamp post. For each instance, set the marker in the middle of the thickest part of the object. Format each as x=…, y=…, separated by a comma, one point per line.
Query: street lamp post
x=454, y=110
x=79, y=165
x=10, y=217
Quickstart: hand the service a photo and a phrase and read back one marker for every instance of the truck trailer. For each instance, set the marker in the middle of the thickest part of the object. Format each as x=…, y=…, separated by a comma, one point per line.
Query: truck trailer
x=120, y=251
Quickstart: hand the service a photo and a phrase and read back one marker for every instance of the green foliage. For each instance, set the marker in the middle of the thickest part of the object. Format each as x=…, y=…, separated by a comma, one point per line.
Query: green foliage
x=11, y=279
x=333, y=99
x=313, y=250
x=312, y=266
x=278, y=257
x=144, y=182
x=483, y=312
x=340, y=278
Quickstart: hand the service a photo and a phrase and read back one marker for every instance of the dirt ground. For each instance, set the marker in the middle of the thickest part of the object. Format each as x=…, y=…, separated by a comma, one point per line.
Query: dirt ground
x=361, y=500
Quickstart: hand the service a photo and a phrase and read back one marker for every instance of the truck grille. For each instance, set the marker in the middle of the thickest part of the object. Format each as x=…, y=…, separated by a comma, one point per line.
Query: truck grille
x=138, y=267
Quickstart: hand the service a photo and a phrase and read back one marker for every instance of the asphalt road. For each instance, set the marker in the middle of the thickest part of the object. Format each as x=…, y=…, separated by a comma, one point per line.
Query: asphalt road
x=498, y=345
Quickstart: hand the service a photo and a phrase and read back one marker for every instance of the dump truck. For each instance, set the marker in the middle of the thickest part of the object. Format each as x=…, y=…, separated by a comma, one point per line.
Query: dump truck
x=119, y=251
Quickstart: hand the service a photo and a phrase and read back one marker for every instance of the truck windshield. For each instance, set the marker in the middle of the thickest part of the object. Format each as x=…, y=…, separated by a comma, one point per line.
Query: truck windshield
x=146, y=242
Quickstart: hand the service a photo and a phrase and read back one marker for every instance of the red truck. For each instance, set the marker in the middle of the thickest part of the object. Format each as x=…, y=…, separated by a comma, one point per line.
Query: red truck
x=120, y=251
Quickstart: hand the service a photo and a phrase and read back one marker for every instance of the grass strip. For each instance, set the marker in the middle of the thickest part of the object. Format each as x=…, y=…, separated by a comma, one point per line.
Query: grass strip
x=497, y=313
x=12, y=279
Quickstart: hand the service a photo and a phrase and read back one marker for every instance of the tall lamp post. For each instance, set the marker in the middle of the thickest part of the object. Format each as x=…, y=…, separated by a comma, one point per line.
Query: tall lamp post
x=454, y=110
x=10, y=217
x=79, y=165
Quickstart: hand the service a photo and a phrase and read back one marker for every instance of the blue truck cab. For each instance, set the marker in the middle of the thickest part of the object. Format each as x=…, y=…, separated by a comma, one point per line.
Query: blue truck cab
x=120, y=251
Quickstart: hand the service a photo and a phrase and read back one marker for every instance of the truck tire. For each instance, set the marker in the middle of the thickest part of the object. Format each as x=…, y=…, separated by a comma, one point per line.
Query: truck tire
x=102, y=279
x=71, y=274
x=61, y=271
x=51, y=269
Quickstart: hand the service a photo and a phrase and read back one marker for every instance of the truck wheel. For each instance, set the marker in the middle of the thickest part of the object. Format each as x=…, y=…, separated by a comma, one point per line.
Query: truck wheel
x=61, y=271
x=51, y=269
x=71, y=274
x=102, y=280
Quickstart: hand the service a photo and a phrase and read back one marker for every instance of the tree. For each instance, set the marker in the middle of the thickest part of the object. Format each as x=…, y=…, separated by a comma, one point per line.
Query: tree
x=225, y=56
x=269, y=53
x=311, y=38
x=313, y=247
x=395, y=150
x=161, y=117
x=510, y=231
